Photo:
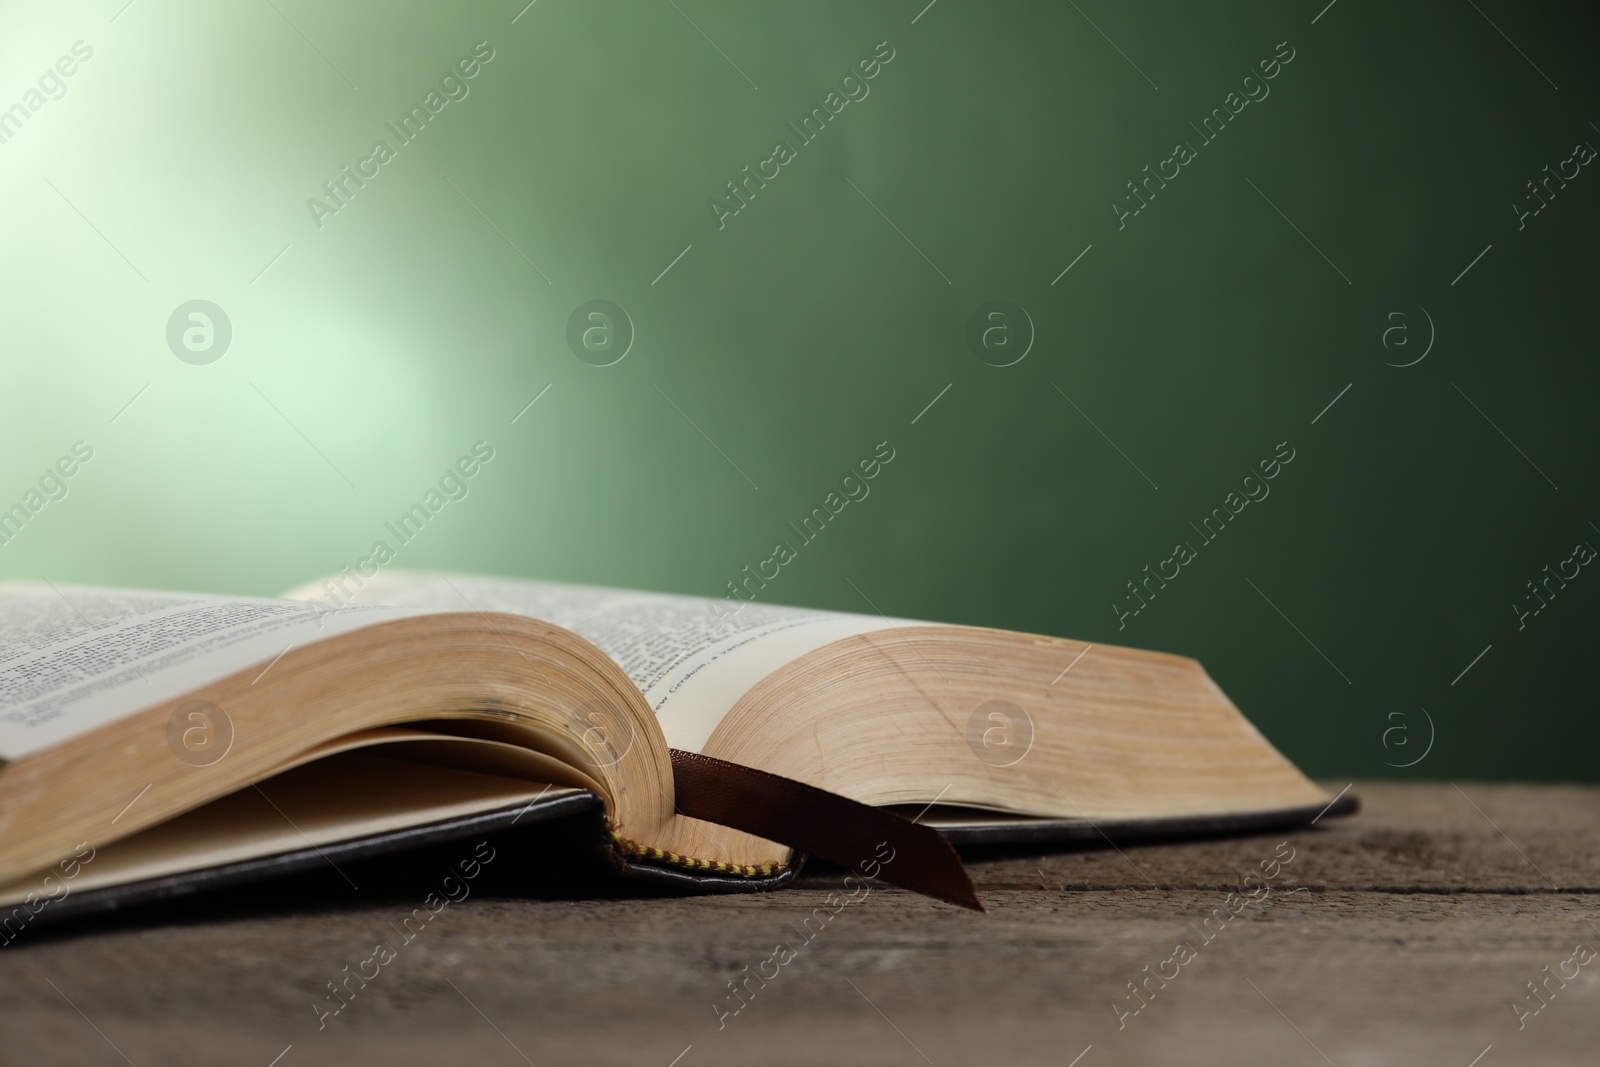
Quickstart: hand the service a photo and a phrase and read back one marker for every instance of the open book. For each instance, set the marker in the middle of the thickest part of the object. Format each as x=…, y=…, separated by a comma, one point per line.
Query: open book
x=155, y=742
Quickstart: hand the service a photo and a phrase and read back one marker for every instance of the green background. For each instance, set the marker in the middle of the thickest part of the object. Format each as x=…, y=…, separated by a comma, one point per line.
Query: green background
x=824, y=318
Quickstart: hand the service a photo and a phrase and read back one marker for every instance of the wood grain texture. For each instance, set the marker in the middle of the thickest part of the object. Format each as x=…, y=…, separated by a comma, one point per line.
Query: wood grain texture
x=1415, y=925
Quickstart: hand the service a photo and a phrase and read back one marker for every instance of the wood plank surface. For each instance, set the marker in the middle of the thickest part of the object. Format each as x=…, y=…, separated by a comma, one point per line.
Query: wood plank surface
x=1402, y=935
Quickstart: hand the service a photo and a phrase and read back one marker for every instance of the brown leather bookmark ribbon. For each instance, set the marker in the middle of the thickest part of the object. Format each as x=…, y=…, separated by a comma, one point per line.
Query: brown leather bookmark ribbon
x=855, y=836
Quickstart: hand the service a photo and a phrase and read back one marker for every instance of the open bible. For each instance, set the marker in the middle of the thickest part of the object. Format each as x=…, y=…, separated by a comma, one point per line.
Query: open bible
x=155, y=742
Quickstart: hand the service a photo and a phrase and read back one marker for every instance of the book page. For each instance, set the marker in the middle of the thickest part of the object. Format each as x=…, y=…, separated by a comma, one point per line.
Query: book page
x=75, y=657
x=693, y=657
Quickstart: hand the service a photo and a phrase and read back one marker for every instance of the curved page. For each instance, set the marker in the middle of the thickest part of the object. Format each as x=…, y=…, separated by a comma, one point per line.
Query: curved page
x=693, y=657
x=77, y=657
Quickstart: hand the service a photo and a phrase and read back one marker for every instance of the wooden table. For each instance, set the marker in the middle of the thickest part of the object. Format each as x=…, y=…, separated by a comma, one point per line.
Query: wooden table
x=1400, y=936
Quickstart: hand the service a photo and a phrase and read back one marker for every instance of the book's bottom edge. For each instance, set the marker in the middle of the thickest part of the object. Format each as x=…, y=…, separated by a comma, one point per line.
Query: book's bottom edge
x=1068, y=831
x=626, y=861
x=633, y=863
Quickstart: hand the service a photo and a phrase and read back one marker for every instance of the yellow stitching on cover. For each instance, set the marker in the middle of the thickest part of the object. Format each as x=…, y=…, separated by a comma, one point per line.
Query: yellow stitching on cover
x=637, y=851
